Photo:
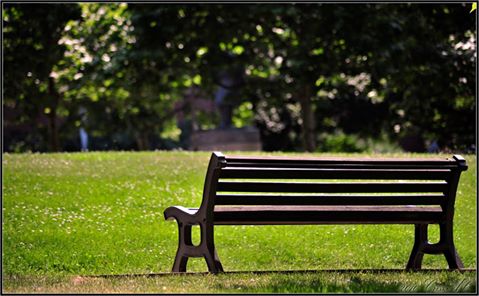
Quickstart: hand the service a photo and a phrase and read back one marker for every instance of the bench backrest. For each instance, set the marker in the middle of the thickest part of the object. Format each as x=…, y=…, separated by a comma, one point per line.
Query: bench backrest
x=332, y=181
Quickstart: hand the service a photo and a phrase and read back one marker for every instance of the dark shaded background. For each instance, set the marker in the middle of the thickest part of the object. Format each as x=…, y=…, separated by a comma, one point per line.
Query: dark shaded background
x=314, y=77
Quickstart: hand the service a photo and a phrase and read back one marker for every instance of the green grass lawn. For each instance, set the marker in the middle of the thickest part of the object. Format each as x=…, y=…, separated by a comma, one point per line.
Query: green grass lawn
x=82, y=214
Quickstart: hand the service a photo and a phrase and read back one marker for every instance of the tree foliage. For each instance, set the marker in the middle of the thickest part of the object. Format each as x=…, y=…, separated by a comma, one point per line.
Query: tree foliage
x=31, y=51
x=309, y=70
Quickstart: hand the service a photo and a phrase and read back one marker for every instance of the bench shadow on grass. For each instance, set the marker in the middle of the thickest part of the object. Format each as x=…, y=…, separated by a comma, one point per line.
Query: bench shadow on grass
x=337, y=281
x=314, y=285
x=349, y=282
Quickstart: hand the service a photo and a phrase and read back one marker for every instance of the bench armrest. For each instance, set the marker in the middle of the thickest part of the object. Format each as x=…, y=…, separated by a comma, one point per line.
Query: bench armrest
x=181, y=214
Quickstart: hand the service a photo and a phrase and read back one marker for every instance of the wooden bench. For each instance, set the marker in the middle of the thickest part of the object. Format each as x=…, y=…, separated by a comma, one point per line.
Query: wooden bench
x=260, y=191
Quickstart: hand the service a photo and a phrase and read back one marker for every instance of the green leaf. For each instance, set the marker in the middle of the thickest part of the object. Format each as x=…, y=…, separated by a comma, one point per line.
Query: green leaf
x=201, y=51
x=197, y=79
x=238, y=49
x=318, y=51
x=320, y=81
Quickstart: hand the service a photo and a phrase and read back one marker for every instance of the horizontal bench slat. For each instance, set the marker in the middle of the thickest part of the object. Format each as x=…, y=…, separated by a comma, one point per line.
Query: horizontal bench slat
x=447, y=165
x=331, y=187
x=334, y=173
x=329, y=200
x=325, y=215
x=433, y=163
x=296, y=159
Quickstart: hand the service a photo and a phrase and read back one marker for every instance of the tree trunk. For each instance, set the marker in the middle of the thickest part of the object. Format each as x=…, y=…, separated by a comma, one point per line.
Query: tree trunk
x=52, y=116
x=139, y=141
x=142, y=141
x=309, y=124
x=53, y=128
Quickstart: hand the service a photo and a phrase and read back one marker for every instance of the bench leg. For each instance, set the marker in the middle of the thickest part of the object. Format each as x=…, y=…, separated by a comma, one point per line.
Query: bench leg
x=417, y=253
x=184, y=239
x=210, y=254
x=445, y=246
x=205, y=249
x=453, y=259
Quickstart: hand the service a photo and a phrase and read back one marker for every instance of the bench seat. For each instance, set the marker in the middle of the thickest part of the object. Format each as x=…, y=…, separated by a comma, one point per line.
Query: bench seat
x=260, y=215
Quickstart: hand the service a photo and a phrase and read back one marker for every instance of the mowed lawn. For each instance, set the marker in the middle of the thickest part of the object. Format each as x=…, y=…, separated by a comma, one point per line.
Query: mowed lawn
x=67, y=217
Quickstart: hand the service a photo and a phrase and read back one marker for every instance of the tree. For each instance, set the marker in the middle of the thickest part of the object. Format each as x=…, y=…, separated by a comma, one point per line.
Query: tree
x=31, y=50
x=309, y=70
